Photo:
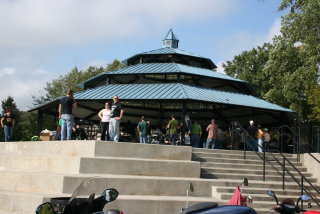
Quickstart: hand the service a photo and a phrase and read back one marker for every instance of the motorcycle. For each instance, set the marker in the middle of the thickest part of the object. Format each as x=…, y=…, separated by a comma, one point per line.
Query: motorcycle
x=287, y=206
x=82, y=201
x=214, y=208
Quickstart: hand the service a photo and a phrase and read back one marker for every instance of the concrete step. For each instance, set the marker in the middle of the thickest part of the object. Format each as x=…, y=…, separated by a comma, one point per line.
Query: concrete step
x=135, y=166
x=103, y=165
x=235, y=152
x=59, y=148
x=31, y=182
x=249, y=176
x=261, y=191
x=96, y=148
x=204, y=155
x=258, y=166
x=213, y=170
x=237, y=161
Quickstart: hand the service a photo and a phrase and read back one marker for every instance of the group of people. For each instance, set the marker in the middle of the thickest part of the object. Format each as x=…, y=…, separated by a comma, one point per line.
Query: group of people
x=257, y=139
x=110, y=117
x=113, y=112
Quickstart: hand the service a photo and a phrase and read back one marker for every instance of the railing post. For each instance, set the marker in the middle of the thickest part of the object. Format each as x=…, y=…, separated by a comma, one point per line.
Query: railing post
x=244, y=146
x=301, y=191
x=264, y=165
x=283, y=171
x=281, y=139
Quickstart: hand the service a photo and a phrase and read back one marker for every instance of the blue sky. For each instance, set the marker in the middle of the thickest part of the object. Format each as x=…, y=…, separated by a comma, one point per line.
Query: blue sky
x=43, y=39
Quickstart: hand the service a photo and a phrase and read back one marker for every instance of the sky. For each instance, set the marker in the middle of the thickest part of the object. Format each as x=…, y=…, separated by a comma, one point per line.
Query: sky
x=43, y=39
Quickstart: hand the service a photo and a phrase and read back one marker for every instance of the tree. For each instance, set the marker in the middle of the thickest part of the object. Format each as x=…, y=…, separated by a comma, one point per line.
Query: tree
x=287, y=72
x=301, y=26
x=249, y=66
x=58, y=87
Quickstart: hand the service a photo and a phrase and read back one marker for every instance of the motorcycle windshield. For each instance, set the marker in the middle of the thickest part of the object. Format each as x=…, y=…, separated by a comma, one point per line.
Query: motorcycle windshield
x=93, y=186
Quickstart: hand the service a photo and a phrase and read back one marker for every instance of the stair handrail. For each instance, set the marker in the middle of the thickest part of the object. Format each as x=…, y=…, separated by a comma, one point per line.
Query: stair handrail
x=285, y=169
x=297, y=143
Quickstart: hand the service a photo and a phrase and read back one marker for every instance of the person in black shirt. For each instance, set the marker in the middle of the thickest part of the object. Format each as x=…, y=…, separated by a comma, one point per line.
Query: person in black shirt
x=65, y=112
x=116, y=117
x=251, y=139
x=7, y=123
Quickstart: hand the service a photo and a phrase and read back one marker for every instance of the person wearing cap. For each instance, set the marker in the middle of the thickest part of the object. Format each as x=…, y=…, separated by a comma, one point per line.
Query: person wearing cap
x=66, y=105
x=116, y=115
x=7, y=123
x=105, y=115
x=251, y=138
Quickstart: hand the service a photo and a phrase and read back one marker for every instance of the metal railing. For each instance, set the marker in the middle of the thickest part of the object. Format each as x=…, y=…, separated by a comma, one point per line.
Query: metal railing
x=283, y=162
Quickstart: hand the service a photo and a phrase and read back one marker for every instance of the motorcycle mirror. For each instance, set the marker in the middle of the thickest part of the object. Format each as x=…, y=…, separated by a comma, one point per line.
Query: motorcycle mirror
x=245, y=182
x=45, y=208
x=271, y=193
x=110, y=194
x=305, y=197
x=191, y=187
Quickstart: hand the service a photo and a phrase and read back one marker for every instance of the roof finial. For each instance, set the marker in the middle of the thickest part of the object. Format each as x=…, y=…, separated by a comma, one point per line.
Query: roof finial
x=170, y=40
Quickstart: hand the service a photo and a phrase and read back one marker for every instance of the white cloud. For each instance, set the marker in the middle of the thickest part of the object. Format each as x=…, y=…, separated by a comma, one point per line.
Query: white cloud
x=22, y=85
x=220, y=69
x=45, y=23
x=244, y=40
x=43, y=33
x=7, y=71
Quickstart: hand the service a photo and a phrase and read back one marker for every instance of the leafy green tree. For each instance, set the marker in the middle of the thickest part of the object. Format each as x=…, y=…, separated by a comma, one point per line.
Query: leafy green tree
x=58, y=87
x=249, y=66
x=286, y=72
x=27, y=126
x=297, y=52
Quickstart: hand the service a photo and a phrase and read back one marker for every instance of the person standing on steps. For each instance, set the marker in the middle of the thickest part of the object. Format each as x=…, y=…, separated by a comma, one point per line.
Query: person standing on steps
x=251, y=139
x=104, y=115
x=212, y=130
x=173, y=127
x=143, y=130
x=7, y=123
x=66, y=105
x=260, y=139
x=117, y=112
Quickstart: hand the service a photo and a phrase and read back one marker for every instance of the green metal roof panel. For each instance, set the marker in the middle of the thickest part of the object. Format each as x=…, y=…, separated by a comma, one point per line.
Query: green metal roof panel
x=175, y=91
x=164, y=68
x=167, y=50
x=170, y=50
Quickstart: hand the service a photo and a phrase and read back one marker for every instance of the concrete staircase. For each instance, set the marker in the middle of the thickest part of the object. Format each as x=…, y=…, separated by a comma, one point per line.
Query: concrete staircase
x=231, y=165
x=150, y=178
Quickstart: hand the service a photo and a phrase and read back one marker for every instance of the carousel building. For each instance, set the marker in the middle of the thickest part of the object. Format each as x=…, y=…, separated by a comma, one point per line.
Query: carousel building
x=169, y=80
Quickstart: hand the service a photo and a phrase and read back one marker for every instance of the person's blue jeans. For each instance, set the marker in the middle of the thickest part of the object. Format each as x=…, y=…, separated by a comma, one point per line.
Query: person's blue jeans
x=195, y=140
x=251, y=144
x=173, y=138
x=114, y=130
x=210, y=143
x=66, y=128
x=7, y=133
x=143, y=138
x=217, y=144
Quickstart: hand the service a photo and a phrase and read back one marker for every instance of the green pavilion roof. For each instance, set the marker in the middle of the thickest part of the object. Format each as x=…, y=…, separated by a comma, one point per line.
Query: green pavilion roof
x=175, y=91
x=169, y=51
x=161, y=68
